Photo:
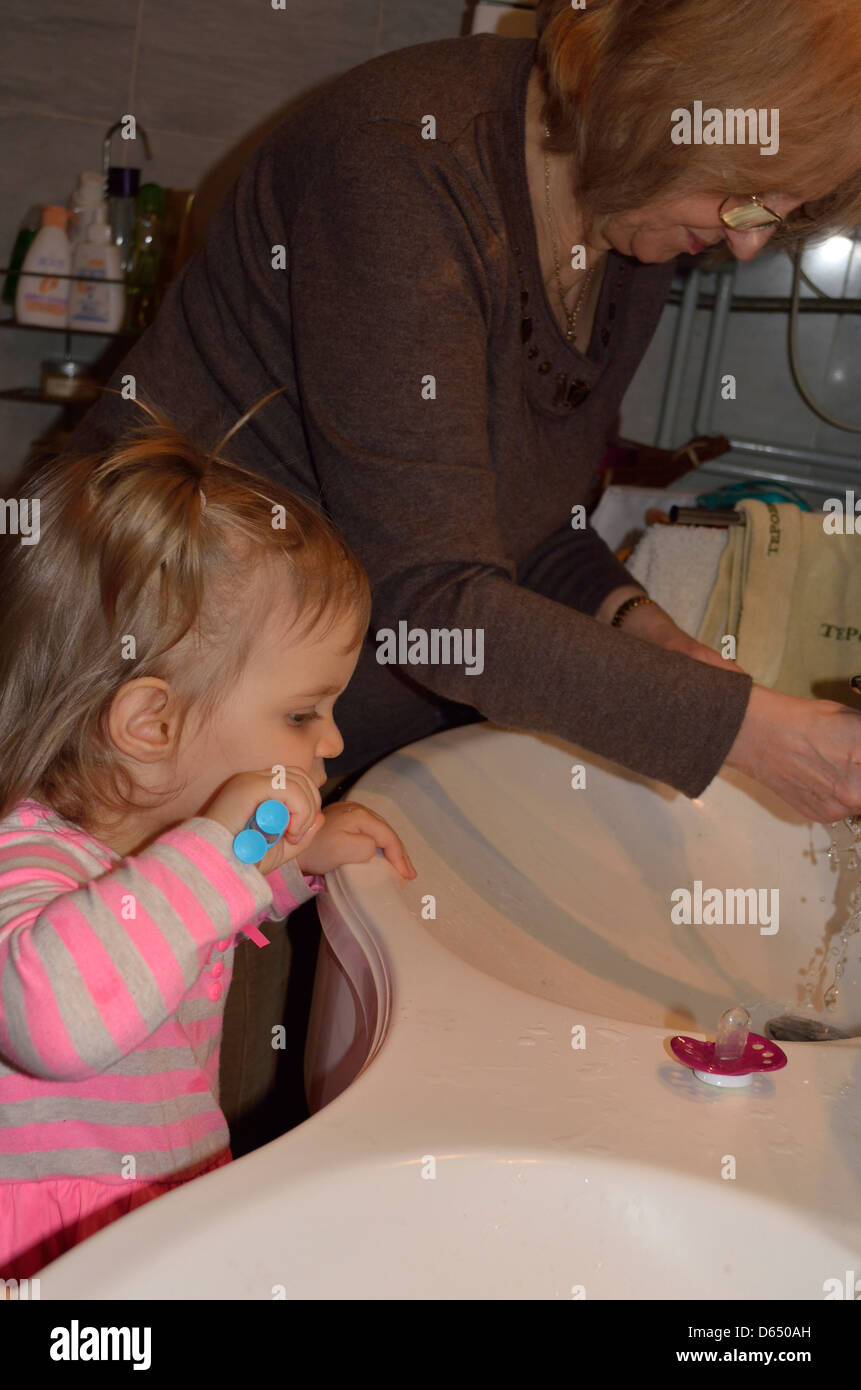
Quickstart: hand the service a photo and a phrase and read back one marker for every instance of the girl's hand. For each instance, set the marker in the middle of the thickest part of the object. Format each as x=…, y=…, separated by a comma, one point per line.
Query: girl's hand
x=808, y=751
x=234, y=805
x=351, y=834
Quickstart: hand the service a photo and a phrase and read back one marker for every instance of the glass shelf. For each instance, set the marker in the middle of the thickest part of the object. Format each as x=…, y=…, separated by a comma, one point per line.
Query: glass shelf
x=93, y=279
x=10, y=322
x=31, y=395
x=70, y=332
x=131, y=287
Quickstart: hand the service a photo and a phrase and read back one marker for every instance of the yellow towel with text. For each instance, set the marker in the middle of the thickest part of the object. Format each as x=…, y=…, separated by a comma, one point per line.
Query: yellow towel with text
x=790, y=594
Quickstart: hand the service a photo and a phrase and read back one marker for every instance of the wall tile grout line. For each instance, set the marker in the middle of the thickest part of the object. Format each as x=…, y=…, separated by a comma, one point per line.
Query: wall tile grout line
x=135, y=52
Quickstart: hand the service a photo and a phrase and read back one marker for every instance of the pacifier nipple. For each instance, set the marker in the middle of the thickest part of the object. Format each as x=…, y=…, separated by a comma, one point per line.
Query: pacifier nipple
x=733, y=1028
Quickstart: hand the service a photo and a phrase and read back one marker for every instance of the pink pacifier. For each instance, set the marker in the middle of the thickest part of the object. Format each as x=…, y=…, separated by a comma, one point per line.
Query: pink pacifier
x=735, y=1054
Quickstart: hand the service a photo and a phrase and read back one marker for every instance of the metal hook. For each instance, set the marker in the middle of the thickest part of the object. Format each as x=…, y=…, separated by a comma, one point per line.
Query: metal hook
x=106, y=156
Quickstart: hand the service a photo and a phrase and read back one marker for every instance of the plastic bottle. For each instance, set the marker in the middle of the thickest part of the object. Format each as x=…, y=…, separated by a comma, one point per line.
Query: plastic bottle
x=42, y=297
x=23, y=241
x=123, y=184
x=143, y=288
x=94, y=306
x=89, y=195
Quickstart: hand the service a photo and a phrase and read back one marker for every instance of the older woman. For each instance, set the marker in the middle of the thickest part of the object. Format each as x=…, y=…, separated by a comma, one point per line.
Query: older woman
x=398, y=257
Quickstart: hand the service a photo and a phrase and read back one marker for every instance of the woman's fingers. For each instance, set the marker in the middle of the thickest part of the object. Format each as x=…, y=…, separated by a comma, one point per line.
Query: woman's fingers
x=808, y=751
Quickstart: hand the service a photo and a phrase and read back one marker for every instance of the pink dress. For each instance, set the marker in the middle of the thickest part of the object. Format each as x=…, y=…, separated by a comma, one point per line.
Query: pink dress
x=113, y=976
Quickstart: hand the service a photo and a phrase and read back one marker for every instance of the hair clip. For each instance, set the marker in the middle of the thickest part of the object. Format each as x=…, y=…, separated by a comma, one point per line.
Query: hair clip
x=202, y=498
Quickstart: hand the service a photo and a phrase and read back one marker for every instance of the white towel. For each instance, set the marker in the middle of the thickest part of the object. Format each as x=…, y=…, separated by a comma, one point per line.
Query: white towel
x=677, y=566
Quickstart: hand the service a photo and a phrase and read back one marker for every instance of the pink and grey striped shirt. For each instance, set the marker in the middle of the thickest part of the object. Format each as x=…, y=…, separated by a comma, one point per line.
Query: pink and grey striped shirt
x=113, y=977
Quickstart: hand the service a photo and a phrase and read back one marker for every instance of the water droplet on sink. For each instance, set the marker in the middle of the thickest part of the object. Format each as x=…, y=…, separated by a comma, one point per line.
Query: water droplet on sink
x=611, y=1034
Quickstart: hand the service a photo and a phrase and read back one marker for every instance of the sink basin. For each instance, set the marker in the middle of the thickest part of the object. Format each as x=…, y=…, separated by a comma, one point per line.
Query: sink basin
x=479, y=1229
x=495, y=1109
x=568, y=893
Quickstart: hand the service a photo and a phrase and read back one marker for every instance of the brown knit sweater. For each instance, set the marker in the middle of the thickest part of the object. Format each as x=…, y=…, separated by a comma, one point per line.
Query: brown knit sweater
x=434, y=407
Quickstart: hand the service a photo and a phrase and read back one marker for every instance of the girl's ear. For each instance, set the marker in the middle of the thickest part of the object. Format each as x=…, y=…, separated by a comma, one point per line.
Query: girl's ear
x=142, y=722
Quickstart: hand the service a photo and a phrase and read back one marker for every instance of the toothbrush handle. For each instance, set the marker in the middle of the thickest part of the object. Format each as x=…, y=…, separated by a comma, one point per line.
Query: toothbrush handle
x=265, y=828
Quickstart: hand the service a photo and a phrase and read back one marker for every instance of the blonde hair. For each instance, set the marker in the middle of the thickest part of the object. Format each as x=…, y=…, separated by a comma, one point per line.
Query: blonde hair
x=150, y=539
x=614, y=72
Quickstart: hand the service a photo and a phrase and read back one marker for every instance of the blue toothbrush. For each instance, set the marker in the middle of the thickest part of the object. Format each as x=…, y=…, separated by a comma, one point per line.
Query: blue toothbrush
x=265, y=828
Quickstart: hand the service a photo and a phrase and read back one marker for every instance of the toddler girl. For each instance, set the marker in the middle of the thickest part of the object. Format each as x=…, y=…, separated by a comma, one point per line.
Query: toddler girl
x=173, y=636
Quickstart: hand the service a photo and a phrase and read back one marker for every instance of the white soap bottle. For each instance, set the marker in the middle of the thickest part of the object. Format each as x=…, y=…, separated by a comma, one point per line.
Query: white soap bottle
x=96, y=306
x=42, y=297
x=86, y=199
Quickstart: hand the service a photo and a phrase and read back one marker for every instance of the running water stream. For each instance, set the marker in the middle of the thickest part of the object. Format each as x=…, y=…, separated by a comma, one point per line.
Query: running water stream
x=834, y=964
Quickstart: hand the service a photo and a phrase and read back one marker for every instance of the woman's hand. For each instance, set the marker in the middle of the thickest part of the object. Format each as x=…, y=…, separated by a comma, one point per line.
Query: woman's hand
x=651, y=623
x=679, y=641
x=352, y=834
x=808, y=751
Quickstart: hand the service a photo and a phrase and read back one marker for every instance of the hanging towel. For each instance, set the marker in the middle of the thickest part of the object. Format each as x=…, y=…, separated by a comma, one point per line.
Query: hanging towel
x=790, y=594
x=678, y=566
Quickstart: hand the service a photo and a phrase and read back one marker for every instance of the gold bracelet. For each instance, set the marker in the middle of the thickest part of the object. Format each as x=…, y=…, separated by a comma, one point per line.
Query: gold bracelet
x=624, y=609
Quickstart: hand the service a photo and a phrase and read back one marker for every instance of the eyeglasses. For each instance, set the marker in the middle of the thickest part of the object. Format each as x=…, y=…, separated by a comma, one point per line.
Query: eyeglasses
x=746, y=214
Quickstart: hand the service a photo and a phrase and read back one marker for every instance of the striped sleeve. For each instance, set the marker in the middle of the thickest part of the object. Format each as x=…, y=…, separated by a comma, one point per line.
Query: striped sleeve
x=89, y=970
x=290, y=887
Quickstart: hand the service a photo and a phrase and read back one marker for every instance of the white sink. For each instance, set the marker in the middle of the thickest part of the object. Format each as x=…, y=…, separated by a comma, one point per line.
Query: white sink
x=566, y=893
x=559, y=1171
x=534, y=1226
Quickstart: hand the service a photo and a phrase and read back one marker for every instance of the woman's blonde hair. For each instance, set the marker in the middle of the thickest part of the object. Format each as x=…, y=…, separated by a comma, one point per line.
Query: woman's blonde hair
x=145, y=565
x=614, y=72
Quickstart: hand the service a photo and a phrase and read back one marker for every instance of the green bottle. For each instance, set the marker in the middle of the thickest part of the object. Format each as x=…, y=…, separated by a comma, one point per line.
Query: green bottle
x=143, y=291
x=23, y=241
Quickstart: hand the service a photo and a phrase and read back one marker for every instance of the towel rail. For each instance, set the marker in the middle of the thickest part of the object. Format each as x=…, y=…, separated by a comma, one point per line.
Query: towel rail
x=706, y=516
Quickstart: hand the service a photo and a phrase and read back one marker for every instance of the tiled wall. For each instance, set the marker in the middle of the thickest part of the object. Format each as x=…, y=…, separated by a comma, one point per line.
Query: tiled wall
x=206, y=80
x=755, y=351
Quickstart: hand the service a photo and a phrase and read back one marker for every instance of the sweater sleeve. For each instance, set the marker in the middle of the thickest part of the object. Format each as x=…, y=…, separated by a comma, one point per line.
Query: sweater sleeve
x=89, y=970
x=574, y=566
x=393, y=264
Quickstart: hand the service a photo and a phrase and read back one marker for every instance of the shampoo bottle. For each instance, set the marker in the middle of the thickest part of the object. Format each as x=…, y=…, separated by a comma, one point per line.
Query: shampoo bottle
x=42, y=296
x=95, y=304
x=83, y=204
